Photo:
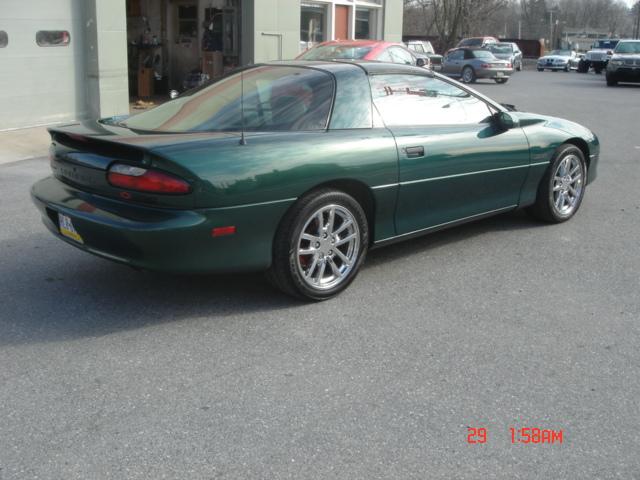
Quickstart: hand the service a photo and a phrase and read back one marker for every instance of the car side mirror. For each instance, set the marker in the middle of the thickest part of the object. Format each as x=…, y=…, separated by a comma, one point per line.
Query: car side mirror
x=420, y=62
x=506, y=120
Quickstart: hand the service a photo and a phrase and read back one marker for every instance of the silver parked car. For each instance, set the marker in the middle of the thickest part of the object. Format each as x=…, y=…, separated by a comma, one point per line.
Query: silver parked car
x=470, y=64
x=558, y=60
x=507, y=51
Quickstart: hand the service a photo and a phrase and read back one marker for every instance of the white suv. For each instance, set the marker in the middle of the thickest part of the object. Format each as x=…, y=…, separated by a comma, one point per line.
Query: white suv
x=598, y=56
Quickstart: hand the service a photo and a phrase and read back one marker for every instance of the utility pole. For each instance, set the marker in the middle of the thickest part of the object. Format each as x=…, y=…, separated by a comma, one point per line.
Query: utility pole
x=550, y=29
x=519, y=29
x=636, y=27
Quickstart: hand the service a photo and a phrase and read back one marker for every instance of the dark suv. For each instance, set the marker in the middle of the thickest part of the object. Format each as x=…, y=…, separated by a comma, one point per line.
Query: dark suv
x=624, y=65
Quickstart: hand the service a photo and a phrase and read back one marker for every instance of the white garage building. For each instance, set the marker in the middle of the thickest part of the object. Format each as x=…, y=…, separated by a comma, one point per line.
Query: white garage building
x=65, y=60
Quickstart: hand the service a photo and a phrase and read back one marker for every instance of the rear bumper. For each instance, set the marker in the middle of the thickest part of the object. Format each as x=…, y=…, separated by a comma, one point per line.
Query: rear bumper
x=494, y=73
x=162, y=239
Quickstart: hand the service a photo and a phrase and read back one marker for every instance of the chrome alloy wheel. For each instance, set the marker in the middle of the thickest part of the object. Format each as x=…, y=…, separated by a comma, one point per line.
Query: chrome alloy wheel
x=328, y=247
x=567, y=185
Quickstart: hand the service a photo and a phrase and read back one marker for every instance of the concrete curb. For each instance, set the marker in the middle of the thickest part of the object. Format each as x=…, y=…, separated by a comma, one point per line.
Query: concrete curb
x=23, y=144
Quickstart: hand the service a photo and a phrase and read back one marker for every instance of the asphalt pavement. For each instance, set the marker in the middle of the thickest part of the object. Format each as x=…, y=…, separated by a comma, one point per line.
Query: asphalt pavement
x=110, y=373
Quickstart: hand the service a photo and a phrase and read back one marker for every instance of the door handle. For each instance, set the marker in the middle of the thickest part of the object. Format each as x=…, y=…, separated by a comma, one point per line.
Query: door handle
x=414, y=152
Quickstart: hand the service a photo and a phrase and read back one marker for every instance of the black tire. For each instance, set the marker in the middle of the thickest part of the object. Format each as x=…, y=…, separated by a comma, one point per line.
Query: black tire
x=583, y=66
x=501, y=80
x=541, y=69
x=611, y=81
x=566, y=69
x=468, y=75
x=285, y=271
x=519, y=67
x=545, y=207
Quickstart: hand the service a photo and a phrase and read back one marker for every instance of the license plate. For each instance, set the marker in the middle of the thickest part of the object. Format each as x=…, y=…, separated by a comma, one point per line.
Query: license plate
x=67, y=229
x=500, y=74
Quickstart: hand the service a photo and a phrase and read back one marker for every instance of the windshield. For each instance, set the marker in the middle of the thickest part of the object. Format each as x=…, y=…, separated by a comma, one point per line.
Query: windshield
x=501, y=49
x=628, y=47
x=330, y=52
x=486, y=54
x=606, y=44
x=275, y=98
x=561, y=53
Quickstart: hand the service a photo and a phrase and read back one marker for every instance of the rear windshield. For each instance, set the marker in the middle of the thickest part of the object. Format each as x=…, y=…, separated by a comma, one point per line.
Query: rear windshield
x=275, y=98
x=561, y=53
x=482, y=54
x=628, y=47
x=501, y=49
x=330, y=52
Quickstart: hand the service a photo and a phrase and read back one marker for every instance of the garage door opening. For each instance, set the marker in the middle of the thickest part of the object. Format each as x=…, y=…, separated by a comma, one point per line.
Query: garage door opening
x=178, y=45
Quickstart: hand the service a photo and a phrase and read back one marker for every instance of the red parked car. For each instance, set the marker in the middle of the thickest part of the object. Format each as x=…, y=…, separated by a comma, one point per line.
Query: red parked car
x=363, y=50
x=477, y=42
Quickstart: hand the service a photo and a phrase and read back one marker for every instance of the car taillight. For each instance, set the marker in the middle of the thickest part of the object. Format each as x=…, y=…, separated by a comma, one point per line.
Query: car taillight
x=508, y=65
x=144, y=180
x=485, y=65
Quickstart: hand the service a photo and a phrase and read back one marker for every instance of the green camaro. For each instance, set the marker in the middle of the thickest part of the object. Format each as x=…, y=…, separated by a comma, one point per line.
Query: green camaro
x=298, y=168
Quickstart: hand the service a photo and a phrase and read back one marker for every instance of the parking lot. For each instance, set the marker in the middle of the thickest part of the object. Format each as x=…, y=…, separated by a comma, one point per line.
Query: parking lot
x=107, y=372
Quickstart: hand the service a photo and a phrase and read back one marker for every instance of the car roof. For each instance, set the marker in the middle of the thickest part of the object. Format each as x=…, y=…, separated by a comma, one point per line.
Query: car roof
x=470, y=48
x=371, y=67
x=359, y=43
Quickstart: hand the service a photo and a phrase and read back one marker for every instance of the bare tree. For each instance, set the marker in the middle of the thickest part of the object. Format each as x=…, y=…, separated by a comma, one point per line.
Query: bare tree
x=452, y=19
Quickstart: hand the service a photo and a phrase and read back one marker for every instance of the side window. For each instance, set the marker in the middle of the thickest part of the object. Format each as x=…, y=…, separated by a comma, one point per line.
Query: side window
x=418, y=48
x=385, y=56
x=414, y=100
x=401, y=55
x=468, y=54
x=456, y=55
x=53, y=38
x=4, y=39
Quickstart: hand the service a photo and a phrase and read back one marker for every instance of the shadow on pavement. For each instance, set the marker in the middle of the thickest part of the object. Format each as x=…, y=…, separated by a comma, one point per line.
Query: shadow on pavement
x=58, y=293
x=517, y=220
